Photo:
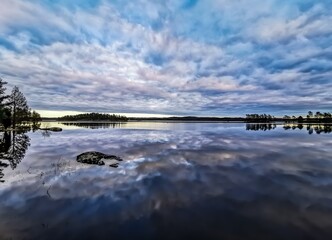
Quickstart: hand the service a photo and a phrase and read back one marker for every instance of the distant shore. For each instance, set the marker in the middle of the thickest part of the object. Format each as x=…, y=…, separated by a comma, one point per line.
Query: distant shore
x=196, y=119
x=249, y=118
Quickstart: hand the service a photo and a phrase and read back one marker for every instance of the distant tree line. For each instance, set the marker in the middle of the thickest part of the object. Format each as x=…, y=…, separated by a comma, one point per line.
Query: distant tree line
x=14, y=109
x=293, y=118
x=318, y=117
x=93, y=117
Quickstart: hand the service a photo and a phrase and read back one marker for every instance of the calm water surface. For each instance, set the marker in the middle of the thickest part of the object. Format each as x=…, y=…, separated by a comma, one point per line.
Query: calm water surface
x=177, y=181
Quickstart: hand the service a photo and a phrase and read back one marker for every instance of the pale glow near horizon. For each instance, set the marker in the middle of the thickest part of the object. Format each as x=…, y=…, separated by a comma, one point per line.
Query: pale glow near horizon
x=50, y=114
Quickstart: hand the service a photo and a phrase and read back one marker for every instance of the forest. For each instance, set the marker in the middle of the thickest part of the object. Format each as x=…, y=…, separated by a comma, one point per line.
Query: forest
x=14, y=109
x=94, y=117
x=318, y=117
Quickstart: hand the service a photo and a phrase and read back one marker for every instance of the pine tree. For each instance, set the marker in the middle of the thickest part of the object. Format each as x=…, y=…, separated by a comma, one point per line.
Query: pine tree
x=35, y=117
x=19, y=107
x=3, y=95
x=5, y=115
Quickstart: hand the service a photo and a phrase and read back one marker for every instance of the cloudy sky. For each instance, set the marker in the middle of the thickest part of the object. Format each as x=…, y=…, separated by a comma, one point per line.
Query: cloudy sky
x=175, y=57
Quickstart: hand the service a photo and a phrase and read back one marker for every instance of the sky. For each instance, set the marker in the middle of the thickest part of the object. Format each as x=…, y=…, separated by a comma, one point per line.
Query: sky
x=171, y=57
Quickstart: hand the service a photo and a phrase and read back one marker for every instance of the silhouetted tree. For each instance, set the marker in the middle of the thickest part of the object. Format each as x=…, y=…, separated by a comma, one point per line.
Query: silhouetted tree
x=14, y=108
x=3, y=96
x=286, y=118
x=35, y=118
x=300, y=119
x=5, y=115
x=327, y=115
x=19, y=107
x=323, y=117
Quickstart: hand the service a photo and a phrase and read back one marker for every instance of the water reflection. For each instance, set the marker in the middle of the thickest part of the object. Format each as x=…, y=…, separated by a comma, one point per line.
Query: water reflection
x=94, y=125
x=46, y=133
x=319, y=129
x=13, y=147
x=260, y=127
x=311, y=128
x=213, y=182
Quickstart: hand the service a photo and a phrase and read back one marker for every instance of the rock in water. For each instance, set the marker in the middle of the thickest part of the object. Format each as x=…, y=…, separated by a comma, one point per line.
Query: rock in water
x=53, y=129
x=97, y=158
x=115, y=165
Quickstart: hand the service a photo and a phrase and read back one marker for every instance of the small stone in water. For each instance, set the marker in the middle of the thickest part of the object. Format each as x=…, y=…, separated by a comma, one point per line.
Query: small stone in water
x=115, y=165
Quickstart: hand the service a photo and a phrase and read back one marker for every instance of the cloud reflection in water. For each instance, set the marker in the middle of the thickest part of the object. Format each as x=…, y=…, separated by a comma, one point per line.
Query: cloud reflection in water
x=181, y=180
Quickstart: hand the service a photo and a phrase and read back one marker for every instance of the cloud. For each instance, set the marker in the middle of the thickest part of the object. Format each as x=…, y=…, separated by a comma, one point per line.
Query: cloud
x=207, y=58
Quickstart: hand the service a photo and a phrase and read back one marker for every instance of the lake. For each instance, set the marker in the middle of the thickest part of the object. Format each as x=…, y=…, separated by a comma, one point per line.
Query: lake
x=176, y=181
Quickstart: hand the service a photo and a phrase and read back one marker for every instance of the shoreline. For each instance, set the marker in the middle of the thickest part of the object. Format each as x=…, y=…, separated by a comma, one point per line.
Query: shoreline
x=186, y=121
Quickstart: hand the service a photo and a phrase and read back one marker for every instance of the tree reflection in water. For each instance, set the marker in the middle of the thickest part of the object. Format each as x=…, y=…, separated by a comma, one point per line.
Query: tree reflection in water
x=320, y=128
x=13, y=147
x=311, y=128
x=94, y=125
x=260, y=127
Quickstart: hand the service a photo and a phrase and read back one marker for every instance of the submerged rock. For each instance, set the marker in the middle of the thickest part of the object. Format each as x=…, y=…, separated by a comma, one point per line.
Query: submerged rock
x=53, y=129
x=115, y=165
x=97, y=158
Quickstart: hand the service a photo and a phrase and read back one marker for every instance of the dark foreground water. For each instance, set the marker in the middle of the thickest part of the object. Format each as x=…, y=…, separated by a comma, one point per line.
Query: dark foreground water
x=177, y=181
